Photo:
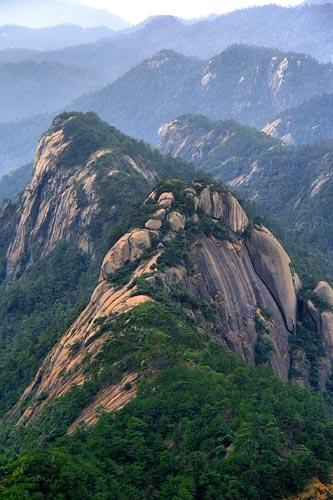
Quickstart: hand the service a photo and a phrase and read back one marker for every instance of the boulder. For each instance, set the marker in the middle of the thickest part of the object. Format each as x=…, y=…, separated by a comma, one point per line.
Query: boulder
x=324, y=326
x=324, y=292
x=153, y=224
x=236, y=218
x=166, y=200
x=205, y=202
x=130, y=247
x=218, y=208
x=159, y=214
x=139, y=241
x=177, y=221
x=175, y=275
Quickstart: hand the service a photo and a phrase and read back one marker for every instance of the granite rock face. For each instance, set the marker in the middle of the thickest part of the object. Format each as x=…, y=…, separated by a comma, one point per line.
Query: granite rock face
x=64, y=198
x=272, y=264
x=129, y=248
x=226, y=278
x=244, y=279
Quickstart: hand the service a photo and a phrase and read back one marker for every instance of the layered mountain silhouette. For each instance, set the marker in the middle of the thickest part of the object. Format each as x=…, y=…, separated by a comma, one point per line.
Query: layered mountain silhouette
x=249, y=84
x=39, y=13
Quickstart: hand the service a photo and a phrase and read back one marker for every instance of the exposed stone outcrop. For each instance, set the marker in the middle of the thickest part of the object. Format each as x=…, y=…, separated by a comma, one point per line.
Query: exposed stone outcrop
x=63, y=199
x=223, y=206
x=324, y=292
x=244, y=279
x=129, y=248
x=64, y=366
x=177, y=221
x=111, y=399
x=272, y=264
x=166, y=200
x=315, y=490
x=153, y=224
x=227, y=279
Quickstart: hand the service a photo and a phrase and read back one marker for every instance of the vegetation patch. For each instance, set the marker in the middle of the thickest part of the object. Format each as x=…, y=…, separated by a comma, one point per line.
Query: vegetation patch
x=307, y=340
x=203, y=425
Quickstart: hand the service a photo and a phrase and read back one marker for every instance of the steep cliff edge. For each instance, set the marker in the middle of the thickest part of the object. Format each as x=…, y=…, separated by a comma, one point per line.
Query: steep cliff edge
x=84, y=175
x=199, y=249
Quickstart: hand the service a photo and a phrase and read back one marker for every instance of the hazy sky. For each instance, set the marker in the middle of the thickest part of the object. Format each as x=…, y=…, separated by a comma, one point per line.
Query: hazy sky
x=137, y=10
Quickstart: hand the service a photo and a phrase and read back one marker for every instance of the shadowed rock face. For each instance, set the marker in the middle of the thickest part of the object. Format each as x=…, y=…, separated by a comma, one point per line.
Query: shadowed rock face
x=226, y=277
x=323, y=320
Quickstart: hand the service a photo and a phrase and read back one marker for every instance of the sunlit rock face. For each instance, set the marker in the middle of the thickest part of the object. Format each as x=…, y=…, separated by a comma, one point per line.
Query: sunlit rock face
x=244, y=277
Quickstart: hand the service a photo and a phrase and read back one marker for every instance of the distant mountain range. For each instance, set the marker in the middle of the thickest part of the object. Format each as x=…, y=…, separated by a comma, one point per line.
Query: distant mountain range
x=312, y=121
x=305, y=28
x=252, y=85
x=14, y=183
x=50, y=38
x=39, y=13
x=249, y=84
x=28, y=88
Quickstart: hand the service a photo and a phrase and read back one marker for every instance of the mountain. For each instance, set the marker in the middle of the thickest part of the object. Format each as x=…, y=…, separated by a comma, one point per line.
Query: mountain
x=140, y=103
x=82, y=162
x=50, y=38
x=312, y=121
x=249, y=84
x=223, y=148
x=40, y=13
x=137, y=102
x=305, y=29
x=87, y=178
x=292, y=184
x=114, y=57
x=155, y=338
x=28, y=88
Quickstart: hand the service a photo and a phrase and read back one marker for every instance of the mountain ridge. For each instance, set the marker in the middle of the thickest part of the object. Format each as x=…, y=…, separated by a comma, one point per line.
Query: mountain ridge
x=49, y=38
x=245, y=83
x=53, y=12
x=310, y=122
x=291, y=184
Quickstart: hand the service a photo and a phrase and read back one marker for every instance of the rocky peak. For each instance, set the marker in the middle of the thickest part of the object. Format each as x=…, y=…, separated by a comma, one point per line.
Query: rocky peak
x=85, y=172
x=198, y=247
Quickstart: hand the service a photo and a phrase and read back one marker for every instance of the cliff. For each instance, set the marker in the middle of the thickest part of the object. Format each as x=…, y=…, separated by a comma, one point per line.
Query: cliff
x=198, y=247
x=84, y=174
